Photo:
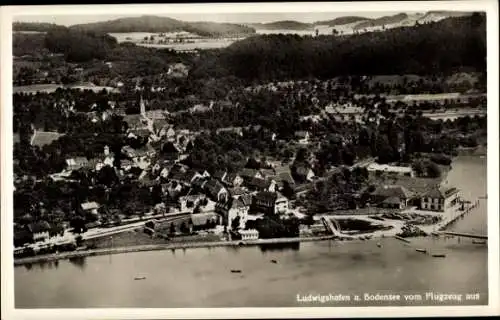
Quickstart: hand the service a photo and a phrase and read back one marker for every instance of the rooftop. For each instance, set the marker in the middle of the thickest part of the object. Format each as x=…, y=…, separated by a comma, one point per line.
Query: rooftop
x=90, y=205
x=388, y=168
x=392, y=191
x=42, y=138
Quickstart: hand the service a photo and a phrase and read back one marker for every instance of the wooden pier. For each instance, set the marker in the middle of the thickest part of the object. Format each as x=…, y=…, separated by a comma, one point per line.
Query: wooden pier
x=459, y=215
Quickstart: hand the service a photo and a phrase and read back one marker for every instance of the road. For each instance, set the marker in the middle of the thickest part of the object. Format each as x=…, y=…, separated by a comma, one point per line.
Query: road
x=70, y=237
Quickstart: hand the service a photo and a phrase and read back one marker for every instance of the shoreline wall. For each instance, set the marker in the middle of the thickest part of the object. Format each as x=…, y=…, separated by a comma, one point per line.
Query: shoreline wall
x=167, y=246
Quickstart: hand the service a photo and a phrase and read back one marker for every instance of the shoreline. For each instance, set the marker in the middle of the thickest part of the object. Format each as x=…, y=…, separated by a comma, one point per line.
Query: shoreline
x=441, y=226
x=166, y=246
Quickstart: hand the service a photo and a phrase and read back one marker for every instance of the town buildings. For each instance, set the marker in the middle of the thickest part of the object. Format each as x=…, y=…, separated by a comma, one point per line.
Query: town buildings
x=440, y=199
x=392, y=196
x=378, y=169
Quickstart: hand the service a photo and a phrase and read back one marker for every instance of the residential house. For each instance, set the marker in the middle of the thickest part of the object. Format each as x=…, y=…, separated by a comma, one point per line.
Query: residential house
x=140, y=156
x=126, y=164
x=235, y=130
x=216, y=190
x=185, y=177
x=378, y=169
x=91, y=207
x=40, y=230
x=233, y=179
x=173, y=189
x=76, y=163
x=234, y=207
x=170, y=134
x=302, y=137
x=264, y=202
x=281, y=205
x=440, y=199
x=392, y=196
x=191, y=200
x=139, y=133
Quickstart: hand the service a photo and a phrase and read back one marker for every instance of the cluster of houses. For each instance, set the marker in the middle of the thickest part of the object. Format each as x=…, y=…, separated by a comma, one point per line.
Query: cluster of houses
x=429, y=196
x=230, y=194
x=403, y=189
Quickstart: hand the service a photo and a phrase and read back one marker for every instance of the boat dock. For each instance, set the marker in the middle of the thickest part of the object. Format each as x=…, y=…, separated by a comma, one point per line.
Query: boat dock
x=459, y=214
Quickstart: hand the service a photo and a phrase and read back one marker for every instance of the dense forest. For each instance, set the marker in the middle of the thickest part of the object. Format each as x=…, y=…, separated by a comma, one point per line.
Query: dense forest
x=80, y=46
x=35, y=26
x=446, y=46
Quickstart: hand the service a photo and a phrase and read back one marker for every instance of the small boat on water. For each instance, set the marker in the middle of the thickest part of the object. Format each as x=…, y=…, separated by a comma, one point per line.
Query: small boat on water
x=421, y=250
x=439, y=255
x=236, y=271
x=139, y=278
x=274, y=261
x=379, y=245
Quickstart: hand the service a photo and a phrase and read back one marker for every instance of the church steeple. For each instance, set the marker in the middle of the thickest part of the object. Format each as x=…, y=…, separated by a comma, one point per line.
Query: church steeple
x=143, y=107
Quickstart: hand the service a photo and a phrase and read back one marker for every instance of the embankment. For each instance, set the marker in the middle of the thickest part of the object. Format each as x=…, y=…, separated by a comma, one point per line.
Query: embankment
x=192, y=245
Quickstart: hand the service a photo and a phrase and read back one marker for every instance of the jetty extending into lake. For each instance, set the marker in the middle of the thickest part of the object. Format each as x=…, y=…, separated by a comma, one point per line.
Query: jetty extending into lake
x=458, y=215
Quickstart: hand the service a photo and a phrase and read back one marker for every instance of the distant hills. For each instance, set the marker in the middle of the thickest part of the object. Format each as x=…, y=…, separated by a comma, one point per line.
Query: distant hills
x=283, y=25
x=350, y=24
x=164, y=24
x=447, y=46
x=382, y=21
x=157, y=24
x=341, y=21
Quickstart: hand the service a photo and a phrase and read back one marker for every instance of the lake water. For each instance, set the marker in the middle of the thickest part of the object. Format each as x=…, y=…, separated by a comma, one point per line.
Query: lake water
x=203, y=277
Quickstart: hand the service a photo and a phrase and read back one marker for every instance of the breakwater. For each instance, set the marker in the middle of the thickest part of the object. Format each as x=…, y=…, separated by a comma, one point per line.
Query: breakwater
x=166, y=246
